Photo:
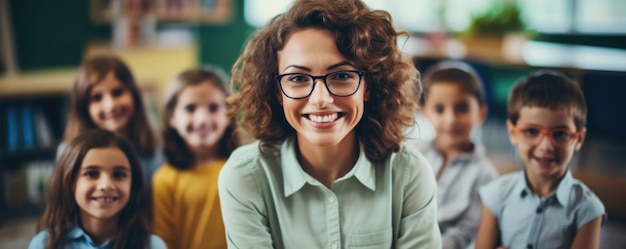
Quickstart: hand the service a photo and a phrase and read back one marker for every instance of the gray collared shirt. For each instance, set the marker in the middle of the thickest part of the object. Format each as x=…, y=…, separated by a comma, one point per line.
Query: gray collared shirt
x=458, y=203
x=268, y=201
x=528, y=221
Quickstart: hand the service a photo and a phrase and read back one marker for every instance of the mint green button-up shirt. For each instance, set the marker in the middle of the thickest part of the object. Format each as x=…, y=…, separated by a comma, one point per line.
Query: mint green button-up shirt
x=268, y=201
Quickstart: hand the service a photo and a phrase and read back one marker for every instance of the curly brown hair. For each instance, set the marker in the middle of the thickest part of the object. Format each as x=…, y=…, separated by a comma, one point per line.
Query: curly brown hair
x=365, y=37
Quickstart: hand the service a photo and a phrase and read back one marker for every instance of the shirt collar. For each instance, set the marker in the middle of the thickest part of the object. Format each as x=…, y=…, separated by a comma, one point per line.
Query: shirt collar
x=461, y=159
x=562, y=191
x=294, y=177
x=565, y=186
x=77, y=233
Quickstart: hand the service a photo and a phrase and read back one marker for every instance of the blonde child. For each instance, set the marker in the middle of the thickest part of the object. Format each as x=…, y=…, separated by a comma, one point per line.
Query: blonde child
x=542, y=206
x=95, y=197
x=105, y=95
x=453, y=103
x=199, y=135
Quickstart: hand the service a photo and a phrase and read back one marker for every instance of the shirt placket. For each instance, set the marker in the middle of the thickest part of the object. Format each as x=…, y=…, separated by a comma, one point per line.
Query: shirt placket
x=332, y=220
x=533, y=235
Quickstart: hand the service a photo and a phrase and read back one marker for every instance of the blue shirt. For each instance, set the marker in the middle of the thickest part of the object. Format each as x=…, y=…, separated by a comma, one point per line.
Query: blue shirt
x=458, y=202
x=78, y=239
x=268, y=201
x=526, y=220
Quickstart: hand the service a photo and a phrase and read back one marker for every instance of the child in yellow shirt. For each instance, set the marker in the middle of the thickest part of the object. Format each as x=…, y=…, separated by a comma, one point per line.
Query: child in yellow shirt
x=199, y=136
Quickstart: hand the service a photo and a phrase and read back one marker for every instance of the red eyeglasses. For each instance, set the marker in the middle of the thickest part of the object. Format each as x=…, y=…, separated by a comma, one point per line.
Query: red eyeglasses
x=533, y=134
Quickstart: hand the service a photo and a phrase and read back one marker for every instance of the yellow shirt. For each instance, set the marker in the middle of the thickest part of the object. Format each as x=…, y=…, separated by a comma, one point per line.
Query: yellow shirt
x=186, y=207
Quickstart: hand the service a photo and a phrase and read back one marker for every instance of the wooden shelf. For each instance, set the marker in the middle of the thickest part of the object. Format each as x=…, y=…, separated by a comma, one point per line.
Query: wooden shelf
x=45, y=82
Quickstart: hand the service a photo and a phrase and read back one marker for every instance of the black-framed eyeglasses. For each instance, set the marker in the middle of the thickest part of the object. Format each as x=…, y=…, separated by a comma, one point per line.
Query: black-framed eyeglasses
x=300, y=85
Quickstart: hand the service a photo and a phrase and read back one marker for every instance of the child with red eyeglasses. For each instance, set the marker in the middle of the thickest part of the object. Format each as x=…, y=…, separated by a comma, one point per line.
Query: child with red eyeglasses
x=542, y=206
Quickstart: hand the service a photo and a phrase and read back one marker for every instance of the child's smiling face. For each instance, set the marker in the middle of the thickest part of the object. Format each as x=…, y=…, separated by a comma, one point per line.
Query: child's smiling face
x=453, y=114
x=200, y=116
x=103, y=184
x=110, y=104
x=543, y=158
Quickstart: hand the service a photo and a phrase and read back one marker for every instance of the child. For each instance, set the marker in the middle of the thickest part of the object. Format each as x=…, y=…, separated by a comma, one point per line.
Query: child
x=453, y=103
x=199, y=136
x=94, y=197
x=106, y=96
x=329, y=97
x=542, y=206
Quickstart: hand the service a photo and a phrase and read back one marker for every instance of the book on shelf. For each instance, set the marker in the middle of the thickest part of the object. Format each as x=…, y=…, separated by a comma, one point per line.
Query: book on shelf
x=12, y=129
x=25, y=127
x=28, y=127
x=45, y=137
x=28, y=184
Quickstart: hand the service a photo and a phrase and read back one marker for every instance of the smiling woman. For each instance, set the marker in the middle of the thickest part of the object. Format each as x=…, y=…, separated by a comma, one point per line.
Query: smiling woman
x=329, y=101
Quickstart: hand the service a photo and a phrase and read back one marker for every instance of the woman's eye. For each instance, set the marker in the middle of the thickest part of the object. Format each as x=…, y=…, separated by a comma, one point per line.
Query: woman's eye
x=299, y=78
x=340, y=76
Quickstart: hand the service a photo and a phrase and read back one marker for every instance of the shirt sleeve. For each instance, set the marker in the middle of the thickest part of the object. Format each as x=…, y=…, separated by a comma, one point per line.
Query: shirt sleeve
x=39, y=241
x=418, y=224
x=491, y=197
x=163, y=192
x=241, y=192
x=591, y=207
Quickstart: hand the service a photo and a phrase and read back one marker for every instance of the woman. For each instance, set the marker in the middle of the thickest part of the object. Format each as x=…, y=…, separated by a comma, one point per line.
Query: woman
x=324, y=89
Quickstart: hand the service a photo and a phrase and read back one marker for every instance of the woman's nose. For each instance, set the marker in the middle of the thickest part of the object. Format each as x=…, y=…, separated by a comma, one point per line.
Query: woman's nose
x=320, y=96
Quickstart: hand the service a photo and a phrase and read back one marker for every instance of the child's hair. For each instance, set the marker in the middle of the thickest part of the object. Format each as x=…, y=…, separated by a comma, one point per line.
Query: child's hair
x=551, y=89
x=91, y=73
x=365, y=37
x=62, y=213
x=175, y=149
x=454, y=72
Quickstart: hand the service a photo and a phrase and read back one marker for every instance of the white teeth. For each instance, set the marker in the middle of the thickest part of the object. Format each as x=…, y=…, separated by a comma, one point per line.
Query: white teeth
x=323, y=119
x=104, y=199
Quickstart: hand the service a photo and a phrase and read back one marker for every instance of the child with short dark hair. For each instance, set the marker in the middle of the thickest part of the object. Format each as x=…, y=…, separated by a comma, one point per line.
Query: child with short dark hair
x=453, y=103
x=95, y=197
x=542, y=206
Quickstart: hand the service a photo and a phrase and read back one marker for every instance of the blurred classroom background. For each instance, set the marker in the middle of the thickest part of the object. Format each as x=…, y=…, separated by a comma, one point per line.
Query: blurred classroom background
x=43, y=42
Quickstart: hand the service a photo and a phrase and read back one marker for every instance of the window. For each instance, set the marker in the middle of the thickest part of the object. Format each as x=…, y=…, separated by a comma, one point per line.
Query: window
x=554, y=16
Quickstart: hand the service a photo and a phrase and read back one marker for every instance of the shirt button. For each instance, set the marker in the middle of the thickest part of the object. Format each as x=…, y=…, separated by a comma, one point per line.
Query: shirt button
x=539, y=210
x=529, y=246
x=334, y=246
x=331, y=200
